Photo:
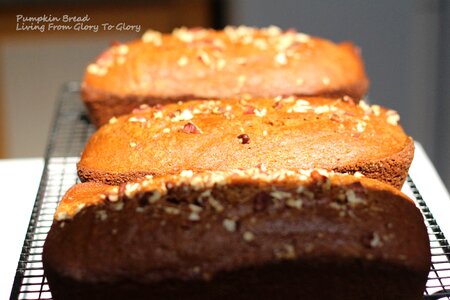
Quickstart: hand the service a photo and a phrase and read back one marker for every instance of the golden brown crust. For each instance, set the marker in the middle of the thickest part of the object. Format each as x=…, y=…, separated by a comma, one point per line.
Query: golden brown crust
x=289, y=132
x=199, y=229
x=203, y=63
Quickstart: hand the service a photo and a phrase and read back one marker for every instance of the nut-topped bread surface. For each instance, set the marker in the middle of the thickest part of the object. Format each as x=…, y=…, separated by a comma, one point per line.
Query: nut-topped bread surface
x=204, y=63
x=281, y=132
x=238, y=234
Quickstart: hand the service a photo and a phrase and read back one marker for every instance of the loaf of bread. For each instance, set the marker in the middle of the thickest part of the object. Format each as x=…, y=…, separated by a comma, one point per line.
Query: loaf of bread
x=203, y=63
x=250, y=234
x=290, y=132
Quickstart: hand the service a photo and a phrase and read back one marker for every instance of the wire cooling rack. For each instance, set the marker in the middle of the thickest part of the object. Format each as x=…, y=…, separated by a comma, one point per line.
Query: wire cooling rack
x=70, y=131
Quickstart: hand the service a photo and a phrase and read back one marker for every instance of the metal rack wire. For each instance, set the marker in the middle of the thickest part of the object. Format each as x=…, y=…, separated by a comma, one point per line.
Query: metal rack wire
x=69, y=133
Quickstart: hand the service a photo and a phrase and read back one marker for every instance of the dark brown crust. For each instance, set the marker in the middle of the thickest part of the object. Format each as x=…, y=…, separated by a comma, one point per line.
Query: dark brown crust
x=392, y=170
x=281, y=281
x=376, y=249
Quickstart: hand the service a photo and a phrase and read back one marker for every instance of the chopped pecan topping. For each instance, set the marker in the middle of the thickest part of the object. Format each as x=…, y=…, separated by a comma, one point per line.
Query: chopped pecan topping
x=243, y=138
x=249, y=110
x=190, y=127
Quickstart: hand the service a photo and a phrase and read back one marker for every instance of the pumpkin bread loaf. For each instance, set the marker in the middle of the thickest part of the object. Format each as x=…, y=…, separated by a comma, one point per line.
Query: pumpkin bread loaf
x=283, y=132
x=203, y=63
x=249, y=234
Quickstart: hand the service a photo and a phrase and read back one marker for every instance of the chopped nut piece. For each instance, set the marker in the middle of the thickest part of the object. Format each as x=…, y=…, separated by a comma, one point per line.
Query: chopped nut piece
x=221, y=64
x=183, y=34
x=172, y=210
x=376, y=241
x=300, y=106
x=297, y=203
x=204, y=58
x=137, y=119
x=260, y=113
x=287, y=251
x=392, y=117
x=118, y=206
x=113, y=197
x=158, y=114
x=97, y=70
x=60, y=216
x=352, y=198
x=280, y=195
x=249, y=110
x=132, y=144
x=248, y=236
x=376, y=109
x=322, y=109
x=131, y=189
x=185, y=115
x=191, y=128
x=365, y=107
x=229, y=225
x=215, y=204
x=302, y=38
x=272, y=30
x=195, y=208
x=361, y=126
x=259, y=43
x=187, y=173
x=182, y=61
x=194, y=216
x=243, y=139
x=122, y=49
x=113, y=120
x=281, y=59
x=155, y=196
x=152, y=36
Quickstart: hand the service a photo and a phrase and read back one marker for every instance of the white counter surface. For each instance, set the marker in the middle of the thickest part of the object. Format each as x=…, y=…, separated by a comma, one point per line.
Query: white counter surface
x=20, y=181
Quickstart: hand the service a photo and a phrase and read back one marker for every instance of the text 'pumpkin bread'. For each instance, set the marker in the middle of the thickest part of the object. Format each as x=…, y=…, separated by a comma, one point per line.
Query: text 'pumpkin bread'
x=238, y=235
x=204, y=63
x=282, y=132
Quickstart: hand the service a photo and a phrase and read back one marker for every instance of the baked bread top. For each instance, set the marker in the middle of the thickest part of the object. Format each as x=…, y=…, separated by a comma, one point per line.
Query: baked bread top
x=194, y=226
x=289, y=132
x=203, y=63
